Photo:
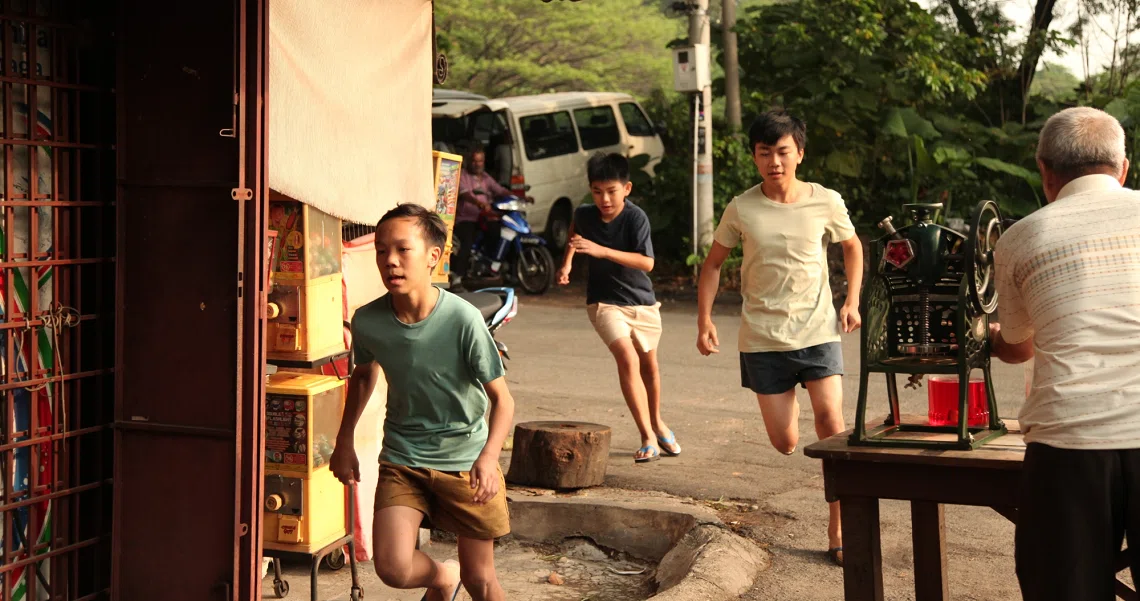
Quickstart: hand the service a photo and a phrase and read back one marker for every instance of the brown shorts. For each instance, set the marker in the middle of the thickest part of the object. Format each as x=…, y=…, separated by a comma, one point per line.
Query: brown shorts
x=445, y=499
x=641, y=323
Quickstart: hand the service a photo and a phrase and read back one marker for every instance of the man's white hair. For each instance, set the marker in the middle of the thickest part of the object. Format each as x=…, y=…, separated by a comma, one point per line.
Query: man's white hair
x=1078, y=141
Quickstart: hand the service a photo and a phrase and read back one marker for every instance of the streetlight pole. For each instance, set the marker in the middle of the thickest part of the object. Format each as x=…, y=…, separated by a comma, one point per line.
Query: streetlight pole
x=699, y=34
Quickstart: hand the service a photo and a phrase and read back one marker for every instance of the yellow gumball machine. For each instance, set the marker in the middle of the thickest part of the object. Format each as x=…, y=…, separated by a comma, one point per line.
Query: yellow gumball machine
x=305, y=302
x=446, y=169
x=304, y=502
x=304, y=511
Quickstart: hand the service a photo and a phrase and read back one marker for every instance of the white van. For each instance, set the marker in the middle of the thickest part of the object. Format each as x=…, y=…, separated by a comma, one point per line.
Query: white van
x=539, y=145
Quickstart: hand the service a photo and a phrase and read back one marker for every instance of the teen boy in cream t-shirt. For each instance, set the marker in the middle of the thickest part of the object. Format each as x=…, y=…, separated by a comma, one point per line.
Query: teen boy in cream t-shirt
x=789, y=331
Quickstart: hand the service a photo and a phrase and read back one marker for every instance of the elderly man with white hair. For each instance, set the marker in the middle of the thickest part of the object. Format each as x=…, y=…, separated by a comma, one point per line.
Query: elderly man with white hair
x=1068, y=279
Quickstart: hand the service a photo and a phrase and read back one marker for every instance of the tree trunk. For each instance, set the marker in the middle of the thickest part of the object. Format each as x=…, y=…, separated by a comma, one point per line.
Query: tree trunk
x=1010, y=92
x=1034, y=47
x=559, y=455
x=731, y=67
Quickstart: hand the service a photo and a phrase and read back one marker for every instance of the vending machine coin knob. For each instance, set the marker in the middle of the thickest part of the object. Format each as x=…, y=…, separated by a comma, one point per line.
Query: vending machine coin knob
x=274, y=502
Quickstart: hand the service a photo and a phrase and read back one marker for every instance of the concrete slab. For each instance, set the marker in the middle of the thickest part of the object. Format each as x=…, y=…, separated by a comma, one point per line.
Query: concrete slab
x=602, y=544
x=709, y=564
x=700, y=559
x=645, y=525
x=524, y=572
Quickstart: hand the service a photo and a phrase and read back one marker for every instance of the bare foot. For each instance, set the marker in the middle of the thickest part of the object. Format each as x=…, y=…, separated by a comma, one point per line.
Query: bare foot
x=451, y=576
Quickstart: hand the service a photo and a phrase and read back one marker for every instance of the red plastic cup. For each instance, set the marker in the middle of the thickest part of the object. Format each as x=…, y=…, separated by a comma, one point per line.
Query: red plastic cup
x=942, y=392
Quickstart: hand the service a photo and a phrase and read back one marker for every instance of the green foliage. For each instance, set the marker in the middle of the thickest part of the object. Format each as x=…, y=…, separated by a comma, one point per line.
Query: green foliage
x=903, y=103
x=516, y=47
x=1127, y=110
x=889, y=93
x=1055, y=83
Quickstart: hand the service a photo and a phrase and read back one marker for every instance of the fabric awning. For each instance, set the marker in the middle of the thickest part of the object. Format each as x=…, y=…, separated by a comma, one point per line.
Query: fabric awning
x=350, y=104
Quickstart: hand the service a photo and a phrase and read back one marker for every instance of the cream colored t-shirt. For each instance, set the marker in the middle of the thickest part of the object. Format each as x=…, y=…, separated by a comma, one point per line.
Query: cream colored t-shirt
x=784, y=276
x=1069, y=276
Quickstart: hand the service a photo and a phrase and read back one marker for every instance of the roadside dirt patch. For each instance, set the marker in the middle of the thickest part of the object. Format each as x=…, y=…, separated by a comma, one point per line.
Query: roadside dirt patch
x=749, y=519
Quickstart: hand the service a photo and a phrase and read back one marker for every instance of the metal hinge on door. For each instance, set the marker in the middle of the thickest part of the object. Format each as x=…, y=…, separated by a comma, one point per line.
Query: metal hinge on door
x=231, y=132
x=241, y=194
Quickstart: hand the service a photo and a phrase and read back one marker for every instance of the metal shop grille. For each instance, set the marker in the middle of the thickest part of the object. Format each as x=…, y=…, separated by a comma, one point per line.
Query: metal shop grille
x=57, y=346
x=351, y=231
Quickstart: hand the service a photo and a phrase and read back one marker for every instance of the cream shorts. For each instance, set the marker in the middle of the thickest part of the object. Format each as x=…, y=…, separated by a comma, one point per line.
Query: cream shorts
x=640, y=323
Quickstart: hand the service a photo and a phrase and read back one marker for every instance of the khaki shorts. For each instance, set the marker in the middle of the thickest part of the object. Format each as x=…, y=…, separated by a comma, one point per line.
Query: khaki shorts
x=640, y=323
x=445, y=500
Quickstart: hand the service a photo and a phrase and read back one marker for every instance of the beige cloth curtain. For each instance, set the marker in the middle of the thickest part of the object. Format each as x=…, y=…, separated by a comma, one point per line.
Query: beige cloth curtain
x=350, y=104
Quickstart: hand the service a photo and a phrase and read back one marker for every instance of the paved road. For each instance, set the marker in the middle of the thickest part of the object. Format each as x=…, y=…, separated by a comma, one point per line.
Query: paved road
x=561, y=370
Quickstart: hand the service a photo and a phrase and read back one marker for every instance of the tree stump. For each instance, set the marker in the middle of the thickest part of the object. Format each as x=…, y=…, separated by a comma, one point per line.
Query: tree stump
x=559, y=455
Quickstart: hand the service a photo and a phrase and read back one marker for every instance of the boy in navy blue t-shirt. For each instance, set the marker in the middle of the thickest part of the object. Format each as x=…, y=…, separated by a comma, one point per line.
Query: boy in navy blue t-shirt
x=614, y=234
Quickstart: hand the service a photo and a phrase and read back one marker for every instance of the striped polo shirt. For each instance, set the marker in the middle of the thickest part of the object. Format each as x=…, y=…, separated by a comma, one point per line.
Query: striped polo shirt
x=1069, y=276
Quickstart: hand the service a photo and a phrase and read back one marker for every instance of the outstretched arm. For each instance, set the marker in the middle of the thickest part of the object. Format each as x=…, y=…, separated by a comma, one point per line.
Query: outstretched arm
x=632, y=260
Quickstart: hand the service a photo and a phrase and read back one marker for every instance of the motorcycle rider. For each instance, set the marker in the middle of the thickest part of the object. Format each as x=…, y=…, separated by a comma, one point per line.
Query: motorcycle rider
x=477, y=189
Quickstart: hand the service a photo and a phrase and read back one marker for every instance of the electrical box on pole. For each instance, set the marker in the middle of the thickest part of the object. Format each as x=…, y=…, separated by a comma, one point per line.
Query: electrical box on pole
x=691, y=68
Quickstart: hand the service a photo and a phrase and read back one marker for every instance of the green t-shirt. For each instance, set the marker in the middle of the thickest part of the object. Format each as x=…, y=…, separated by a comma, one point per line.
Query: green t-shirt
x=435, y=370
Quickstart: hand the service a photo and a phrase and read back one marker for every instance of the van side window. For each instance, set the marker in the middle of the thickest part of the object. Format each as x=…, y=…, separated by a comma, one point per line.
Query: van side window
x=597, y=126
x=485, y=126
x=635, y=121
x=548, y=135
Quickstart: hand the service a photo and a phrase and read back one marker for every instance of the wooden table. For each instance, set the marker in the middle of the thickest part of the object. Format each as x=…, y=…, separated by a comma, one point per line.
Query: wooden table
x=858, y=476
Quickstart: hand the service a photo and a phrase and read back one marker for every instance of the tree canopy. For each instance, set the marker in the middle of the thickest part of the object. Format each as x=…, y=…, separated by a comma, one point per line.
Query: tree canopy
x=515, y=47
x=904, y=103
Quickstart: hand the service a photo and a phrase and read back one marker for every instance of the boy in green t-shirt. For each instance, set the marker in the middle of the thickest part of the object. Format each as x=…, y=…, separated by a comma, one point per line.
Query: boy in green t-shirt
x=440, y=457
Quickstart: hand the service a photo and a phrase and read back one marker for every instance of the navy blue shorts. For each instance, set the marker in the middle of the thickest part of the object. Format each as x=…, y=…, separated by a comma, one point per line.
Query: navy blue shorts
x=777, y=372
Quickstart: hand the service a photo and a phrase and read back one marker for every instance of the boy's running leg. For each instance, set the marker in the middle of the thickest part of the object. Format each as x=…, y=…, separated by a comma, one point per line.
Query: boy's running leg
x=651, y=377
x=827, y=405
x=477, y=567
x=397, y=561
x=634, y=390
x=781, y=413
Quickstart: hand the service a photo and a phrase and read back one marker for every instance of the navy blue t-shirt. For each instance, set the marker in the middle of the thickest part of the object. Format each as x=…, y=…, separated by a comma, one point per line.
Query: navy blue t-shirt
x=609, y=282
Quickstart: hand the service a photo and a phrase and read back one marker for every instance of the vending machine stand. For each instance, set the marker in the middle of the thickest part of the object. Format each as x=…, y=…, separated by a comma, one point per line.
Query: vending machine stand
x=332, y=554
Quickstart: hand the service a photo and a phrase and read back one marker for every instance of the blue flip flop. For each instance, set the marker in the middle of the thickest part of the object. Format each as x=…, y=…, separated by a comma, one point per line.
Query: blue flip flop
x=654, y=456
x=671, y=440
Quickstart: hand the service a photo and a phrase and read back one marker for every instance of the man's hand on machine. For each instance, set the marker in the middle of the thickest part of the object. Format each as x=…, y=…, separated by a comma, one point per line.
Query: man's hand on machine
x=344, y=464
x=995, y=329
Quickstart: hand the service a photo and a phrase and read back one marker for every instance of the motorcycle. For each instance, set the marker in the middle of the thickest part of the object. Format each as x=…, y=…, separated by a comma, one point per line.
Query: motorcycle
x=505, y=246
x=498, y=307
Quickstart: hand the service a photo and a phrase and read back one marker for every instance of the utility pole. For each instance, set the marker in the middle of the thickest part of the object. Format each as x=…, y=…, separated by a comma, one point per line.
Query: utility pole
x=699, y=34
x=731, y=67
